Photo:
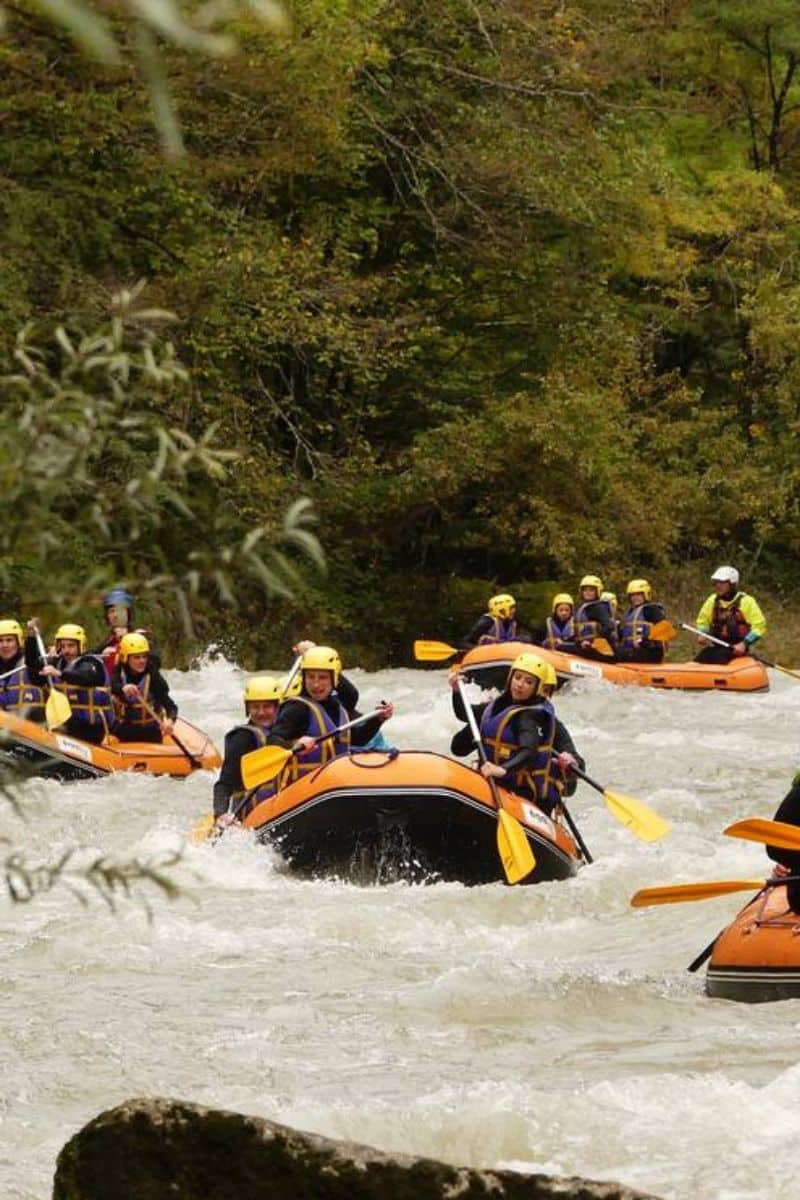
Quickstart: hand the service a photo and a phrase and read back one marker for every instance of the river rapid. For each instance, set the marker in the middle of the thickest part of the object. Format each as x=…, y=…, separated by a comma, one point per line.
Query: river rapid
x=546, y=1028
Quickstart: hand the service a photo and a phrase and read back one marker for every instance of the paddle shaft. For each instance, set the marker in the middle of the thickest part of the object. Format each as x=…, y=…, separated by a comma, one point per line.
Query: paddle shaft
x=697, y=963
x=246, y=798
x=348, y=725
x=216, y=831
x=296, y=665
x=476, y=737
x=42, y=651
x=709, y=637
x=573, y=828
x=183, y=749
x=324, y=737
x=479, y=746
x=598, y=787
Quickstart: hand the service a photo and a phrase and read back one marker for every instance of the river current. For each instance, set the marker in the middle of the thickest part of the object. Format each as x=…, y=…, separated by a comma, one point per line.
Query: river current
x=546, y=1028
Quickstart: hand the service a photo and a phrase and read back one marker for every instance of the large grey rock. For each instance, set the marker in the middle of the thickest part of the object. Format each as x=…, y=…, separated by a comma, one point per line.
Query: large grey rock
x=170, y=1150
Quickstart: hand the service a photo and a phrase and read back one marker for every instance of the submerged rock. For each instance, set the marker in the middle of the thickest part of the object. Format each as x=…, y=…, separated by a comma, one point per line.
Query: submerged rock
x=170, y=1150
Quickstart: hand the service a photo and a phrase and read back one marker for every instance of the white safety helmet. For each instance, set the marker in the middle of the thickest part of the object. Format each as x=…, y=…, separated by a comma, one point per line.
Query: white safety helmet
x=726, y=575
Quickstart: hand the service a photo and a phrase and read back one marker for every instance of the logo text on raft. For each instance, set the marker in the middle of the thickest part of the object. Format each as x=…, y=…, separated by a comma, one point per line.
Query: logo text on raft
x=69, y=747
x=532, y=816
x=585, y=668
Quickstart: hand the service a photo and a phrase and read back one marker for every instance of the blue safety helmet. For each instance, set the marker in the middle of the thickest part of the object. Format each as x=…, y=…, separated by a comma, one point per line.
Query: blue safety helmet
x=119, y=596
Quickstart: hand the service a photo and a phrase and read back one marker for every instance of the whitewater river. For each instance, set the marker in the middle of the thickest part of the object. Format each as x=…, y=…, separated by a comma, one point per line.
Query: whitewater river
x=546, y=1028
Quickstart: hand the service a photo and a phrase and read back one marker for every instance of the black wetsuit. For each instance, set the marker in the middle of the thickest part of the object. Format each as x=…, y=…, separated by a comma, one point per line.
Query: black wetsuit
x=293, y=717
x=238, y=742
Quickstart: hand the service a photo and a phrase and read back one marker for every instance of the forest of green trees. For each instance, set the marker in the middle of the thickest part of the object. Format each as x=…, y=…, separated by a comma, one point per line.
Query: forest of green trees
x=509, y=291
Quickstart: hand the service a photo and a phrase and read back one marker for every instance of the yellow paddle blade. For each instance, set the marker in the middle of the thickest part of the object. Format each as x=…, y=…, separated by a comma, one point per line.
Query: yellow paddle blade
x=57, y=710
x=513, y=847
x=662, y=631
x=641, y=820
x=203, y=830
x=604, y=647
x=769, y=833
x=259, y=766
x=678, y=892
x=433, y=651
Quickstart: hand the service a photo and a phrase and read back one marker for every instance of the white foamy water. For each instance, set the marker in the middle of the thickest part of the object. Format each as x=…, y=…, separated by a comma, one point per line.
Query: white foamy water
x=549, y=1028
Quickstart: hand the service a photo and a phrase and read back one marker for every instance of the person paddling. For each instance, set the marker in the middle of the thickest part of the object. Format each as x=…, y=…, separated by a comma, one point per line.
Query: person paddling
x=731, y=615
x=81, y=677
x=18, y=694
x=498, y=624
x=788, y=861
x=558, y=631
x=327, y=700
x=262, y=695
x=528, y=749
x=594, y=621
x=635, y=643
x=145, y=709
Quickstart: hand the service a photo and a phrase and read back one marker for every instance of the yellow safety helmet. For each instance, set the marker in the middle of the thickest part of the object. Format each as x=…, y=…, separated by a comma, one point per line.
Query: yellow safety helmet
x=531, y=664
x=561, y=598
x=592, y=581
x=75, y=633
x=502, y=606
x=11, y=628
x=322, y=658
x=640, y=585
x=290, y=689
x=133, y=643
x=262, y=687
x=610, y=599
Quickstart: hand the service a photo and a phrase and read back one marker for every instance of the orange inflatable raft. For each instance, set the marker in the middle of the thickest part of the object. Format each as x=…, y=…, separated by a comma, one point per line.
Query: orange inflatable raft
x=757, y=958
x=413, y=815
x=488, y=666
x=59, y=754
